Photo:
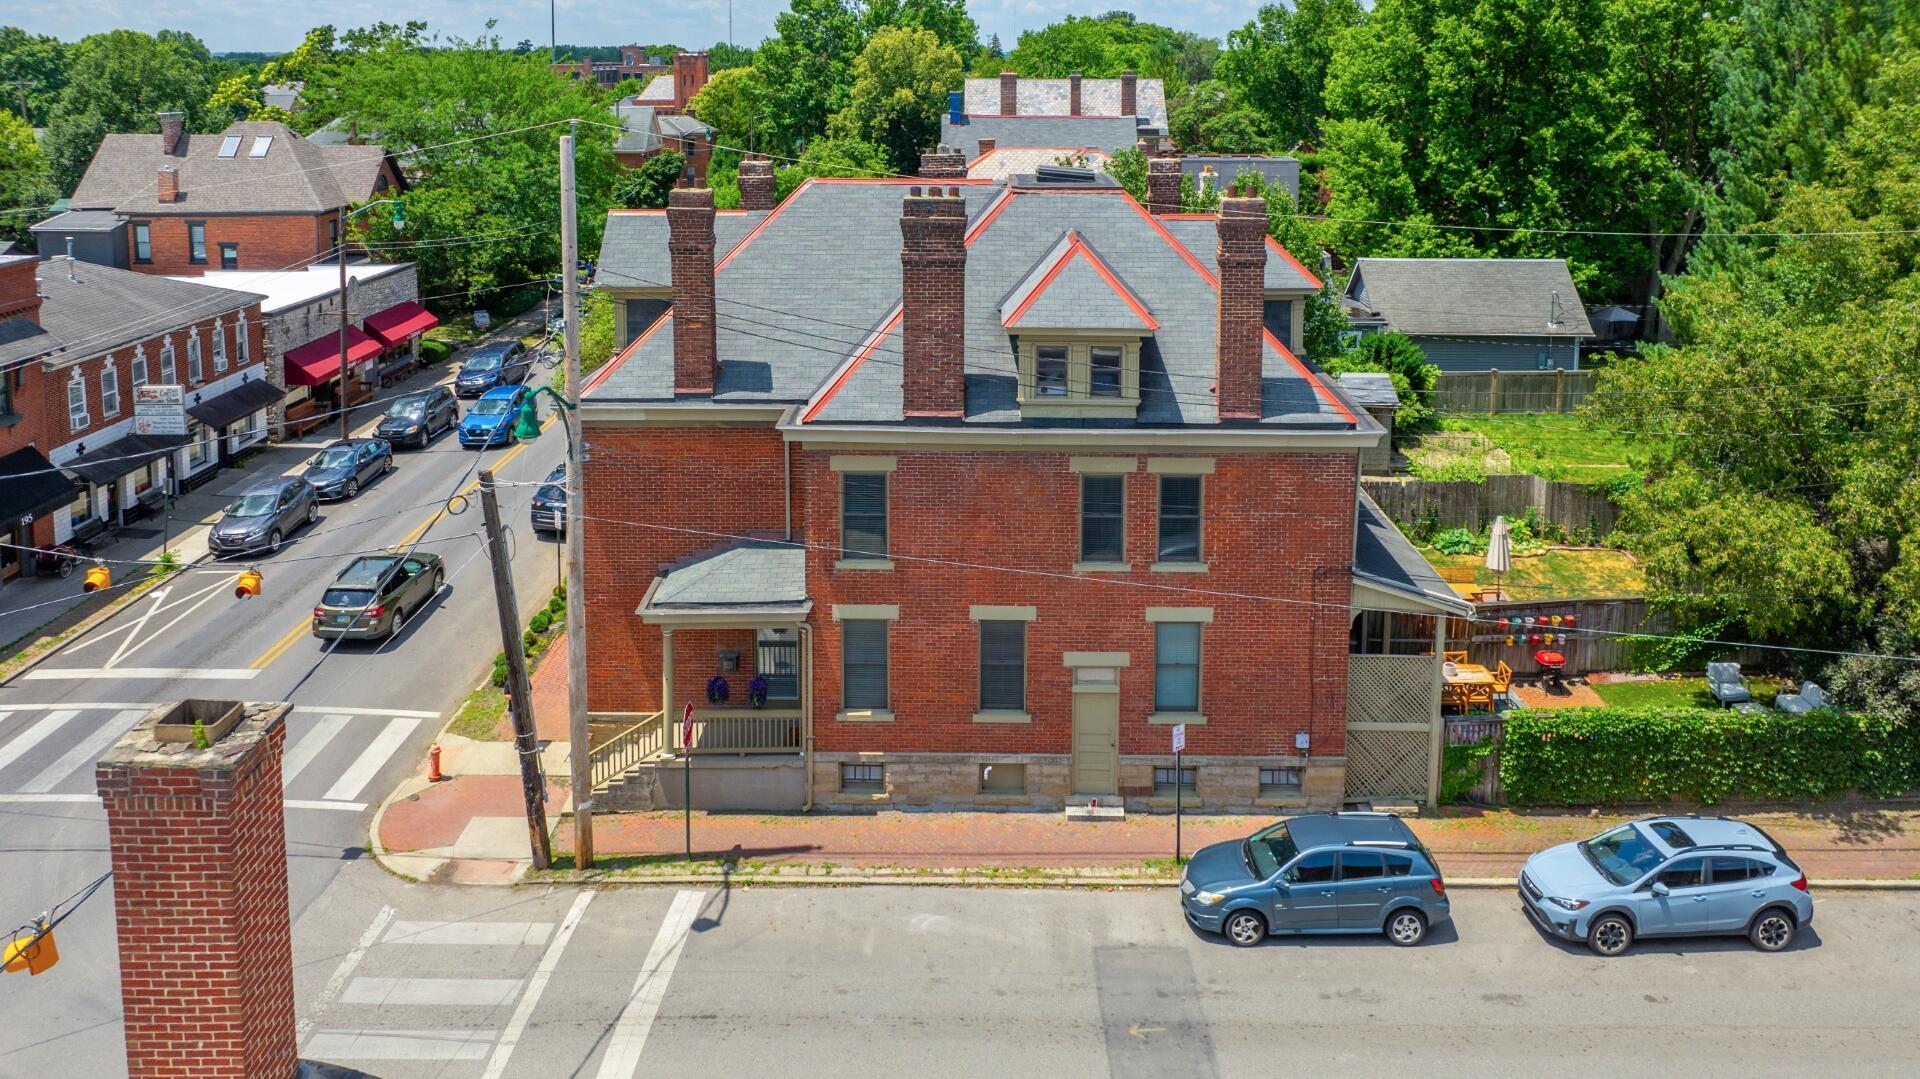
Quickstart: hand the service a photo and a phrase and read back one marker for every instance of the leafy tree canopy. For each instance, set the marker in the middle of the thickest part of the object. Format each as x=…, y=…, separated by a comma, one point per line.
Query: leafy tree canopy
x=646, y=187
x=1278, y=62
x=1105, y=45
x=116, y=82
x=900, y=85
x=25, y=186
x=32, y=72
x=734, y=102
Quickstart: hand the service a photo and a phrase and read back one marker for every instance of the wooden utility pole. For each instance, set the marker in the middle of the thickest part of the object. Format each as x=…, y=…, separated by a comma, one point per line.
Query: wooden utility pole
x=519, y=691
x=579, y=756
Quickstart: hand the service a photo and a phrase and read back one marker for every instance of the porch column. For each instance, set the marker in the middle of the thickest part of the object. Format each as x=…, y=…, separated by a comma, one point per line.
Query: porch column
x=1437, y=732
x=666, y=681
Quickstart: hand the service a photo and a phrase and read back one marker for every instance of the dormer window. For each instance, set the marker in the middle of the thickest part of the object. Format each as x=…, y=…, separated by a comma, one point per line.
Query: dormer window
x=1050, y=364
x=1078, y=375
x=1078, y=329
x=1105, y=369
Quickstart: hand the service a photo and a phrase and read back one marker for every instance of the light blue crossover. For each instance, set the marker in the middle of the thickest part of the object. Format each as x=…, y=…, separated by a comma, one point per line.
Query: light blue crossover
x=490, y=421
x=1668, y=877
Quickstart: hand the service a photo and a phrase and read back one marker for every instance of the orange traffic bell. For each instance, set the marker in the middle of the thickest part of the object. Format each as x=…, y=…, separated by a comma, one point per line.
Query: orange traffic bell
x=247, y=584
x=97, y=578
x=33, y=953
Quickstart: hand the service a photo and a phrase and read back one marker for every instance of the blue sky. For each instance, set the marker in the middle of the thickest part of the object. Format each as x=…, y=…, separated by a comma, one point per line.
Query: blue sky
x=249, y=25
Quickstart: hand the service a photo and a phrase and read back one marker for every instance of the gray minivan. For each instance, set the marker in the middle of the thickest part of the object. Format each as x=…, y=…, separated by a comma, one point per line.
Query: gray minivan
x=1321, y=873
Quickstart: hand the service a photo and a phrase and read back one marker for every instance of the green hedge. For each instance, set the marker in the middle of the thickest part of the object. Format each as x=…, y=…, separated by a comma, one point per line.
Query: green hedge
x=1588, y=756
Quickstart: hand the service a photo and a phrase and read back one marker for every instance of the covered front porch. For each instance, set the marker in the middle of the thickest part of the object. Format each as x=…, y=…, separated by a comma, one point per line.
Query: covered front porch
x=735, y=649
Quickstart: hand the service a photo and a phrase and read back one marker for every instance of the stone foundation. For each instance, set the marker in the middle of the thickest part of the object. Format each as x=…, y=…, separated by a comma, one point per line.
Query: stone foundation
x=952, y=781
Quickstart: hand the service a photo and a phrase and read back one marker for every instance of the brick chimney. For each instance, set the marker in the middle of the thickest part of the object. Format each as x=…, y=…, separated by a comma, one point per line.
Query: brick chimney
x=173, y=134
x=19, y=288
x=943, y=163
x=1128, y=93
x=1163, y=185
x=199, y=849
x=986, y=147
x=690, y=252
x=166, y=184
x=1242, y=261
x=1073, y=94
x=756, y=184
x=1009, y=93
x=933, y=290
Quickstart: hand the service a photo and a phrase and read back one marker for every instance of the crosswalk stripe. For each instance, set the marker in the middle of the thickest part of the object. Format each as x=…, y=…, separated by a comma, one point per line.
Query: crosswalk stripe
x=345, y=970
x=536, y=986
x=309, y=747
x=507, y=934
x=649, y=990
x=361, y=771
x=34, y=735
x=455, y=992
x=84, y=752
x=329, y=1045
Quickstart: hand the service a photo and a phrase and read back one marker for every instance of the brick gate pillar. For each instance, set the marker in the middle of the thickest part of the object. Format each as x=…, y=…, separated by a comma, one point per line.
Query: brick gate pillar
x=200, y=894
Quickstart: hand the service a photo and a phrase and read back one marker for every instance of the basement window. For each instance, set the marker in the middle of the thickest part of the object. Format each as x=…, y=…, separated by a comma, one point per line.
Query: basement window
x=1279, y=782
x=863, y=779
x=1163, y=781
x=1003, y=779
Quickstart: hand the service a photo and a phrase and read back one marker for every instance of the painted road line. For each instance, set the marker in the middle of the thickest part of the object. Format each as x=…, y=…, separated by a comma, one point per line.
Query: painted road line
x=303, y=709
x=649, y=990
x=99, y=705
x=34, y=735
x=345, y=970
x=537, y=985
x=331, y=1045
x=444, y=992
x=170, y=674
x=84, y=752
x=361, y=771
x=159, y=600
x=315, y=709
x=285, y=642
x=129, y=645
x=469, y=934
x=109, y=634
x=309, y=747
x=309, y=803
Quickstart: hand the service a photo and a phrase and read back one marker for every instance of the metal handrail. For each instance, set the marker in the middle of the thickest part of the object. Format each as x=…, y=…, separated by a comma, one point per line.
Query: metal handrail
x=618, y=755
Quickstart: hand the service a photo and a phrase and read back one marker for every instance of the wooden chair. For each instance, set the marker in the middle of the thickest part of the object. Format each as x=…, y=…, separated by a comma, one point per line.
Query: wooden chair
x=1502, y=679
x=1454, y=657
x=1479, y=696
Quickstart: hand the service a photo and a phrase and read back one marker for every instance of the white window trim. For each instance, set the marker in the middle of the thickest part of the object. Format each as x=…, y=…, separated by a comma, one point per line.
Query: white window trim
x=168, y=370
x=137, y=369
x=241, y=347
x=1079, y=398
x=109, y=390
x=77, y=419
x=219, y=346
x=195, y=371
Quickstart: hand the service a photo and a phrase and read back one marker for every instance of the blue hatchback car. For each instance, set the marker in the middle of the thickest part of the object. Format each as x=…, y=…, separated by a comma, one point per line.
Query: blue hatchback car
x=1322, y=873
x=490, y=421
x=1668, y=877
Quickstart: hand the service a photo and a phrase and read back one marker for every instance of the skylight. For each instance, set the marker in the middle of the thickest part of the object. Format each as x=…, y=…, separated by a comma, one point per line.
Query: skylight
x=260, y=145
x=230, y=146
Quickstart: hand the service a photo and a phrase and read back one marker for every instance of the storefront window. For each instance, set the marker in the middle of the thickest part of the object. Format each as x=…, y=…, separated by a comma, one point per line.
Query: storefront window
x=200, y=447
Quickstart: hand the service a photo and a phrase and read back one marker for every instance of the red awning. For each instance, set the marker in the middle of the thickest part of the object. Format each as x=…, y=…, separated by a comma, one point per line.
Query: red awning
x=400, y=323
x=318, y=362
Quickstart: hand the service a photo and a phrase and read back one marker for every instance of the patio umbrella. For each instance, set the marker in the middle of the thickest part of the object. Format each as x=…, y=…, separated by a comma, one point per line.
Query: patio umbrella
x=1499, y=553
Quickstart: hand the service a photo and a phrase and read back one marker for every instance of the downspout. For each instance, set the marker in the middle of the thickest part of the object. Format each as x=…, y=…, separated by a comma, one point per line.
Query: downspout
x=806, y=718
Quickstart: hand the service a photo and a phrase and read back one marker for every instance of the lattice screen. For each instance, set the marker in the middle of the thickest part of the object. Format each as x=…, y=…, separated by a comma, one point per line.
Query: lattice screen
x=1390, y=689
x=1391, y=713
x=1387, y=764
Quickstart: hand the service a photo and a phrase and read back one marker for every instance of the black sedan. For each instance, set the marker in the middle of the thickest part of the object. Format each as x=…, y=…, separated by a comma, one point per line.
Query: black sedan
x=340, y=470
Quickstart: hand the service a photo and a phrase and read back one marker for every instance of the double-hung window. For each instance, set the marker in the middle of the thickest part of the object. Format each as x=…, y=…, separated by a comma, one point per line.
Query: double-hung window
x=194, y=372
x=229, y=256
x=138, y=368
x=1103, y=518
x=77, y=402
x=1176, y=667
x=142, y=242
x=863, y=515
x=1179, y=519
x=863, y=664
x=242, y=350
x=166, y=364
x=219, y=346
x=1104, y=364
x=1003, y=666
x=1050, y=371
x=197, y=241
x=109, y=390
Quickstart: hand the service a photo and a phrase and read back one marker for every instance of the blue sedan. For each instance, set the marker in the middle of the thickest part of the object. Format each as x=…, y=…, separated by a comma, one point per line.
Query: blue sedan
x=490, y=421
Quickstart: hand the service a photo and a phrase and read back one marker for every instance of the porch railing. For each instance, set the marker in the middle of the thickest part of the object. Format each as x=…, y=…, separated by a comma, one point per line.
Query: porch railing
x=619, y=754
x=742, y=730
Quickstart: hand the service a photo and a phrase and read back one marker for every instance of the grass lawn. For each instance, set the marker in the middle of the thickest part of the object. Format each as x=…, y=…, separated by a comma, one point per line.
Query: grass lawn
x=480, y=714
x=1556, y=574
x=1551, y=445
x=1676, y=693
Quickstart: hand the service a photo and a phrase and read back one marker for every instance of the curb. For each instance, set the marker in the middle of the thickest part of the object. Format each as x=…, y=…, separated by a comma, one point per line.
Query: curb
x=379, y=849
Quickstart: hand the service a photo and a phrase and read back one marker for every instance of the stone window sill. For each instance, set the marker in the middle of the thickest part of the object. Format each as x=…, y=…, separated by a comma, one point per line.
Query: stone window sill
x=1002, y=717
x=1168, y=719
x=865, y=715
x=1287, y=801
x=1179, y=567
x=860, y=796
x=884, y=564
x=1007, y=798
x=1103, y=567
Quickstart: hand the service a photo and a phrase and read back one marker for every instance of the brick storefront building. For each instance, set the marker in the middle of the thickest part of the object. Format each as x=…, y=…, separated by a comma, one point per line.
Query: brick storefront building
x=993, y=484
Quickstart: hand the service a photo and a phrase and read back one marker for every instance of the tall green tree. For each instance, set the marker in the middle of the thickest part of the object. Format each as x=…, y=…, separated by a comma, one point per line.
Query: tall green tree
x=1278, y=62
x=900, y=85
x=1103, y=46
x=734, y=102
x=1211, y=117
x=116, y=82
x=32, y=73
x=25, y=185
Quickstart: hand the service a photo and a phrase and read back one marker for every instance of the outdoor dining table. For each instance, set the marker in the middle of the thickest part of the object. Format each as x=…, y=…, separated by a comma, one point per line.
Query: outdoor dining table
x=1461, y=676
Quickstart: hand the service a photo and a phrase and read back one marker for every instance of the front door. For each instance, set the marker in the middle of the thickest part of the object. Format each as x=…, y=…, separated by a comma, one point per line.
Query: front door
x=1096, y=741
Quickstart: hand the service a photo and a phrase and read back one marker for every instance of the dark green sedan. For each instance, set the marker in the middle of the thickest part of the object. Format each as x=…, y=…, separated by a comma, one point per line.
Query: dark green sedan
x=374, y=596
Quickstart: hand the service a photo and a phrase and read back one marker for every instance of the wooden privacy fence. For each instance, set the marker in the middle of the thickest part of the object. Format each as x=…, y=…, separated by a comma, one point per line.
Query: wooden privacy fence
x=1512, y=391
x=1594, y=641
x=1459, y=504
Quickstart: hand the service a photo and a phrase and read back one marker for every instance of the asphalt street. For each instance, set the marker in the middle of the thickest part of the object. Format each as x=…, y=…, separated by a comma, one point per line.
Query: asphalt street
x=363, y=715
x=404, y=981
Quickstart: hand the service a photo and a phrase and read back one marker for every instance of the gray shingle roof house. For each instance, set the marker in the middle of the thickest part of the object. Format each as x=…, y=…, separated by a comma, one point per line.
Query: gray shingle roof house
x=1474, y=314
x=99, y=309
x=268, y=170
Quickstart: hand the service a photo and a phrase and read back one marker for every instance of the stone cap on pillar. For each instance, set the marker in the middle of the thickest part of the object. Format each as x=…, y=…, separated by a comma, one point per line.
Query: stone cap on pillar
x=154, y=744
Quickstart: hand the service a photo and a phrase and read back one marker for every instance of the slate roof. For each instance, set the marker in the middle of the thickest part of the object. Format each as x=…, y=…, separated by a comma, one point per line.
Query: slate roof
x=1106, y=133
x=638, y=136
x=1001, y=162
x=1054, y=97
x=30, y=484
x=659, y=88
x=633, y=251
x=295, y=175
x=761, y=575
x=679, y=127
x=1072, y=288
x=99, y=308
x=1383, y=556
x=1370, y=389
x=1470, y=296
x=1196, y=232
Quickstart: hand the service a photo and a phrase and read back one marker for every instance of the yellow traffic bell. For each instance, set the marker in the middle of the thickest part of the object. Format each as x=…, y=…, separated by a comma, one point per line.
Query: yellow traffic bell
x=247, y=584
x=33, y=953
x=97, y=578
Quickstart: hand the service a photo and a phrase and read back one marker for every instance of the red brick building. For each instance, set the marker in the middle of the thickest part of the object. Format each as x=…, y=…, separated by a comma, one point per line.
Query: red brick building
x=634, y=63
x=76, y=341
x=254, y=197
x=970, y=494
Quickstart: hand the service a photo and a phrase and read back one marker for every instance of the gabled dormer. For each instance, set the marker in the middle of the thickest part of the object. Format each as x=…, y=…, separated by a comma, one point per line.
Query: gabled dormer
x=1077, y=328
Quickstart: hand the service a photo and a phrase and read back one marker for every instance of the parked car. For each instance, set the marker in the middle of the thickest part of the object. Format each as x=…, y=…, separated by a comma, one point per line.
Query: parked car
x=1321, y=873
x=264, y=515
x=501, y=363
x=346, y=465
x=490, y=421
x=417, y=417
x=376, y=594
x=1664, y=877
x=549, y=505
